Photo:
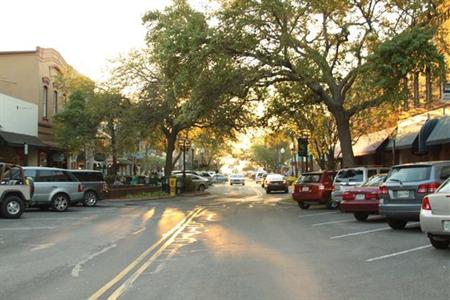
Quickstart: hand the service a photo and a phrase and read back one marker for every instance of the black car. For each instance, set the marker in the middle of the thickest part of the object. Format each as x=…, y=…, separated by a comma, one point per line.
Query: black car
x=95, y=187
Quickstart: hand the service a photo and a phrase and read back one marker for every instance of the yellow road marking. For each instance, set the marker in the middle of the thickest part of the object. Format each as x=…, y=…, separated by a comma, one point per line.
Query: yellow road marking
x=117, y=293
x=141, y=257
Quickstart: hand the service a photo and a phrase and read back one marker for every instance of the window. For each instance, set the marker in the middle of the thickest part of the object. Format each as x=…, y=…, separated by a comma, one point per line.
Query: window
x=350, y=175
x=309, y=178
x=45, y=103
x=445, y=173
x=371, y=172
x=409, y=174
x=44, y=176
x=444, y=188
x=30, y=173
x=89, y=176
x=55, y=101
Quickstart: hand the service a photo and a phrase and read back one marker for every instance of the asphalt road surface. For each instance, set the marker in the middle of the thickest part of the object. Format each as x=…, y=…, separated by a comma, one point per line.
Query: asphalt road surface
x=237, y=243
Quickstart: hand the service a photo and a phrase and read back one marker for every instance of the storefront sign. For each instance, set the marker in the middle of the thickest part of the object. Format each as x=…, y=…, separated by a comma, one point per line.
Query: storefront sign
x=446, y=92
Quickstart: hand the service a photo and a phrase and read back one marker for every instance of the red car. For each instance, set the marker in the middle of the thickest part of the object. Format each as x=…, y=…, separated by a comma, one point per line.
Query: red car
x=314, y=188
x=363, y=200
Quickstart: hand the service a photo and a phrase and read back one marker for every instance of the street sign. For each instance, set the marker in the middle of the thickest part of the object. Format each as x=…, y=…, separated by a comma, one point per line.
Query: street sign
x=446, y=92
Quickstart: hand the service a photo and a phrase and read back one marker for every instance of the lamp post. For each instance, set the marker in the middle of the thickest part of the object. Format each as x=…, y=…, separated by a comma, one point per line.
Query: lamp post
x=25, y=154
x=294, y=159
x=280, y=153
x=184, y=144
x=192, y=155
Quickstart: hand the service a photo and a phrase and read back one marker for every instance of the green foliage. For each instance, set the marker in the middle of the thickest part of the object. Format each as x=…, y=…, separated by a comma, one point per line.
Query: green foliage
x=74, y=126
x=152, y=162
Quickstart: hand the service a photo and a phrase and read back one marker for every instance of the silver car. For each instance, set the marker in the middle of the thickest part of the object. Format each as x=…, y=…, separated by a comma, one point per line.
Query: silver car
x=54, y=188
x=237, y=179
x=435, y=216
x=346, y=179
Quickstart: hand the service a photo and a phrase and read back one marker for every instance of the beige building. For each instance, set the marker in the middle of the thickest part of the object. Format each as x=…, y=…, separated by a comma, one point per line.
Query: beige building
x=30, y=76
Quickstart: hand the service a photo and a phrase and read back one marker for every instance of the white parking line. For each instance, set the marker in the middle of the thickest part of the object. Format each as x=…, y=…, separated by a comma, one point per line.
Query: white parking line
x=359, y=233
x=332, y=222
x=317, y=214
x=26, y=228
x=398, y=253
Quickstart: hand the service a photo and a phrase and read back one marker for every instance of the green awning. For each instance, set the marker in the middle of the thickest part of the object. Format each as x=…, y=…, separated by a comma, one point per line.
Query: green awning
x=440, y=133
x=18, y=140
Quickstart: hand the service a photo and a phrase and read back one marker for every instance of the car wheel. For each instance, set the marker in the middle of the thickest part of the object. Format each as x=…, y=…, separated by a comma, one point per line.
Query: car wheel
x=201, y=188
x=331, y=204
x=60, y=202
x=12, y=207
x=397, y=224
x=438, y=244
x=361, y=216
x=90, y=199
x=303, y=205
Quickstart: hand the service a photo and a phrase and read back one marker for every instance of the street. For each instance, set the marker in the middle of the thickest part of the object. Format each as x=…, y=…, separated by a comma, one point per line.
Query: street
x=236, y=243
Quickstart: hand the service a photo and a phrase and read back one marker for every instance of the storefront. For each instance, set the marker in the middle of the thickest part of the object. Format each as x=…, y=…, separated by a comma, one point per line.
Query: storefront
x=20, y=149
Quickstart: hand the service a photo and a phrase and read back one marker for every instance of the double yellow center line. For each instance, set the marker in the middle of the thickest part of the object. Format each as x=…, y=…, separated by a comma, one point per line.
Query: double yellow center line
x=162, y=243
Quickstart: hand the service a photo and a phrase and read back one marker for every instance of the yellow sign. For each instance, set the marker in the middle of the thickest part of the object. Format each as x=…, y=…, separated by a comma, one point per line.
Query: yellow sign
x=173, y=186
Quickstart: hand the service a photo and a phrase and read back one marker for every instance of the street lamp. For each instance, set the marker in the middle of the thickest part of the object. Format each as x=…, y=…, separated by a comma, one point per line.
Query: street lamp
x=280, y=153
x=192, y=156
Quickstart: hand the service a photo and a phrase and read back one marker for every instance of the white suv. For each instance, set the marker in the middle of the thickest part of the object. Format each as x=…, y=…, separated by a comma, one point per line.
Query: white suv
x=351, y=177
x=15, y=191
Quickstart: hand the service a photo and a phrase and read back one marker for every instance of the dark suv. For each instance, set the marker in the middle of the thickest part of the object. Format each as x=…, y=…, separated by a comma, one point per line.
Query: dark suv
x=95, y=187
x=405, y=187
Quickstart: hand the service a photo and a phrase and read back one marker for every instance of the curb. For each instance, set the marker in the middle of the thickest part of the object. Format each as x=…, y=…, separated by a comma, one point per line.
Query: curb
x=158, y=197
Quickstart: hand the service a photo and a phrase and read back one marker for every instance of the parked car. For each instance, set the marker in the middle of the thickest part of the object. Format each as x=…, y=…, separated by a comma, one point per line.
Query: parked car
x=406, y=186
x=276, y=182
x=363, y=200
x=206, y=175
x=259, y=176
x=435, y=216
x=200, y=183
x=351, y=177
x=15, y=191
x=54, y=188
x=219, y=178
x=95, y=187
x=237, y=179
x=314, y=188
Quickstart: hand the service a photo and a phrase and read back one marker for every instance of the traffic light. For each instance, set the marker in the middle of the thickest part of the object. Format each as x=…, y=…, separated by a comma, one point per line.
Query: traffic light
x=302, y=146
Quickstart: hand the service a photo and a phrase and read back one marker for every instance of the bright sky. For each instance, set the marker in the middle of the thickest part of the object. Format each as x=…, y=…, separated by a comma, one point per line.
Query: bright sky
x=87, y=33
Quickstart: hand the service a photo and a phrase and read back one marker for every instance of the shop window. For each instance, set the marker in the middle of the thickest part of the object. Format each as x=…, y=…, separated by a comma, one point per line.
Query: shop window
x=45, y=103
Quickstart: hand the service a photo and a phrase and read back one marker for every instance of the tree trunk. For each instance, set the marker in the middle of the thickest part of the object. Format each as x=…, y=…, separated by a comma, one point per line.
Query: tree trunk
x=416, y=89
x=114, y=166
x=170, y=147
x=345, y=137
x=428, y=87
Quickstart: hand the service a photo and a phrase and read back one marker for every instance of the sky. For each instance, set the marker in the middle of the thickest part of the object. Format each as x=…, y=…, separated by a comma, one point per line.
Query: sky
x=87, y=33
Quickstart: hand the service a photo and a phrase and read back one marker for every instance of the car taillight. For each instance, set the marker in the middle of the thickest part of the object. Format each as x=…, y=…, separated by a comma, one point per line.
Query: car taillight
x=80, y=187
x=428, y=188
x=372, y=196
x=426, y=204
x=348, y=196
x=321, y=187
x=383, y=190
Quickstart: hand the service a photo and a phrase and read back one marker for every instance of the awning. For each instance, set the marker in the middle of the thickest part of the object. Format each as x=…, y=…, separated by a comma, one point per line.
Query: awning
x=18, y=140
x=440, y=133
x=367, y=144
x=407, y=133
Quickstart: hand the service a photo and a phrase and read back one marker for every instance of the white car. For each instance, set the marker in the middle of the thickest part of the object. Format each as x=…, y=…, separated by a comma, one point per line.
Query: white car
x=259, y=176
x=435, y=216
x=237, y=179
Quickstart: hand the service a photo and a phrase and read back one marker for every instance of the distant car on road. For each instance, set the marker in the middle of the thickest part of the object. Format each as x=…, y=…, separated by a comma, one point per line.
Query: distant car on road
x=363, y=200
x=435, y=216
x=314, y=188
x=259, y=176
x=54, y=188
x=406, y=186
x=276, y=182
x=200, y=183
x=95, y=187
x=15, y=191
x=237, y=179
x=220, y=178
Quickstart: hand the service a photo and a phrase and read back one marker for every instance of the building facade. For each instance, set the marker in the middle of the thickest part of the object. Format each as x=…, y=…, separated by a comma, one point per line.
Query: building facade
x=28, y=80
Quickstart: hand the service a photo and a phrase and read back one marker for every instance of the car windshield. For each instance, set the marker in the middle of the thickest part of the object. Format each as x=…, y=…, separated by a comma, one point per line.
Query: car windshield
x=309, y=178
x=236, y=176
x=275, y=177
x=409, y=174
x=350, y=175
x=375, y=181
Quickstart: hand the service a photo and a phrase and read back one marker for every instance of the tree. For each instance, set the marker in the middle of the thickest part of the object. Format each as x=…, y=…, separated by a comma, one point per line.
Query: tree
x=108, y=108
x=180, y=82
x=338, y=50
